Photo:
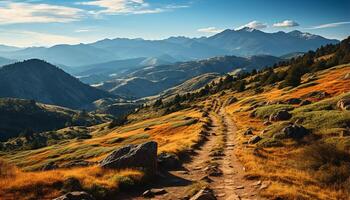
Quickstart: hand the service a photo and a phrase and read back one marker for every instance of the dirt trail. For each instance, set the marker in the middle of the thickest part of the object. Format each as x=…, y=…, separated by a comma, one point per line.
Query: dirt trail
x=233, y=185
x=217, y=151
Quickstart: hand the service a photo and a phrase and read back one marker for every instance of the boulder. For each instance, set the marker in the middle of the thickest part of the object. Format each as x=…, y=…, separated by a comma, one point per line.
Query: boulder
x=293, y=101
x=204, y=194
x=249, y=131
x=254, y=139
x=142, y=156
x=168, y=161
x=305, y=102
x=344, y=104
x=293, y=131
x=280, y=115
x=77, y=195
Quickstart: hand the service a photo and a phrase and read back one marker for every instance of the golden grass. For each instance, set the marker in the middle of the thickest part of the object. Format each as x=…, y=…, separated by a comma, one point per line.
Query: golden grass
x=47, y=184
x=278, y=165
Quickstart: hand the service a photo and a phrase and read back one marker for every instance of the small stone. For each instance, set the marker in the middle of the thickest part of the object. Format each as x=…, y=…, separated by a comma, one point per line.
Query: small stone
x=240, y=187
x=256, y=183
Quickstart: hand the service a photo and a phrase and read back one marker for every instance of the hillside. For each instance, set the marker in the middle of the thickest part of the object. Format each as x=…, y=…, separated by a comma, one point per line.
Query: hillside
x=277, y=133
x=19, y=116
x=155, y=79
x=101, y=72
x=43, y=82
x=5, y=61
x=243, y=42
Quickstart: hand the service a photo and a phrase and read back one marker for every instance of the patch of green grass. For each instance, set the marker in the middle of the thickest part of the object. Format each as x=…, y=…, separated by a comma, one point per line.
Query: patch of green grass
x=270, y=142
x=265, y=111
x=319, y=121
x=140, y=136
x=184, y=123
x=275, y=128
x=115, y=140
x=305, y=85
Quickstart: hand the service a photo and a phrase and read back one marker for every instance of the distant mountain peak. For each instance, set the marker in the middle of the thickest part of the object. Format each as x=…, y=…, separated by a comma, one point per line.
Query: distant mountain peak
x=247, y=29
x=304, y=35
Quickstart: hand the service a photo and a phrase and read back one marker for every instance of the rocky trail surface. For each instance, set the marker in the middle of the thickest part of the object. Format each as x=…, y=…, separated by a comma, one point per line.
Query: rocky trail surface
x=213, y=166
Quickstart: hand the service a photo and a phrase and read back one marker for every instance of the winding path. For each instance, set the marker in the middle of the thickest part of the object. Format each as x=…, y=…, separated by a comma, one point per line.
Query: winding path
x=231, y=184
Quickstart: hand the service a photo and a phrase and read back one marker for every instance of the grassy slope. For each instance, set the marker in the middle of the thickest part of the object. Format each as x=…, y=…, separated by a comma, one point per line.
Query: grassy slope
x=280, y=164
x=176, y=133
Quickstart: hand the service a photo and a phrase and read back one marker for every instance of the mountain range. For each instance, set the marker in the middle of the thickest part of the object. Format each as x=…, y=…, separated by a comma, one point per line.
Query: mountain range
x=243, y=42
x=148, y=81
x=38, y=80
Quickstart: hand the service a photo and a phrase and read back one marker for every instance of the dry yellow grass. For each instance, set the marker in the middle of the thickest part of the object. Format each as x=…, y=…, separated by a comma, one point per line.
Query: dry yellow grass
x=278, y=165
x=16, y=184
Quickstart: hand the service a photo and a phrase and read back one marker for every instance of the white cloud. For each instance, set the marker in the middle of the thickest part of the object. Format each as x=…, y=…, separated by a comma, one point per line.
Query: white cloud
x=253, y=24
x=31, y=38
x=13, y=13
x=210, y=30
x=82, y=30
x=330, y=25
x=286, y=24
x=117, y=7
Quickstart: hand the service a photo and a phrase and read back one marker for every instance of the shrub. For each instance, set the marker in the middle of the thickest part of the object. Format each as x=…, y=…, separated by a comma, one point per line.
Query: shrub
x=118, y=122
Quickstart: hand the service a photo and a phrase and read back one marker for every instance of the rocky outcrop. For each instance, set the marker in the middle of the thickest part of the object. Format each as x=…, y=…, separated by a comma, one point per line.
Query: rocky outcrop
x=293, y=131
x=75, y=196
x=142, y=156
x=344, y=104
x=280, y=115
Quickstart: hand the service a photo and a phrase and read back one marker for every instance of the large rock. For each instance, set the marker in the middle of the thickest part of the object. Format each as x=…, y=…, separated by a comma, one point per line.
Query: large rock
x=204, y=194
x=344, y=104
x=293, y=131
x=168, y=161
x=142, y=156
x=254, y=139
x=280, y=115
x=75, y=196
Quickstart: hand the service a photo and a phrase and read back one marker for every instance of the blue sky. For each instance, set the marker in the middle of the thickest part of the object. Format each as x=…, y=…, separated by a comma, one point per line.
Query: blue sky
x=49, y=22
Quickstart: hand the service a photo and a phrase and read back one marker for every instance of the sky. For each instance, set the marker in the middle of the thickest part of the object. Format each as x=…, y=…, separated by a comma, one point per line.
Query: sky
x=27, y=23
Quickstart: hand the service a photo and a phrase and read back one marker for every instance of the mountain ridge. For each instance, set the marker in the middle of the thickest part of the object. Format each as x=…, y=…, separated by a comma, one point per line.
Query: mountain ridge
x=242, y=42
